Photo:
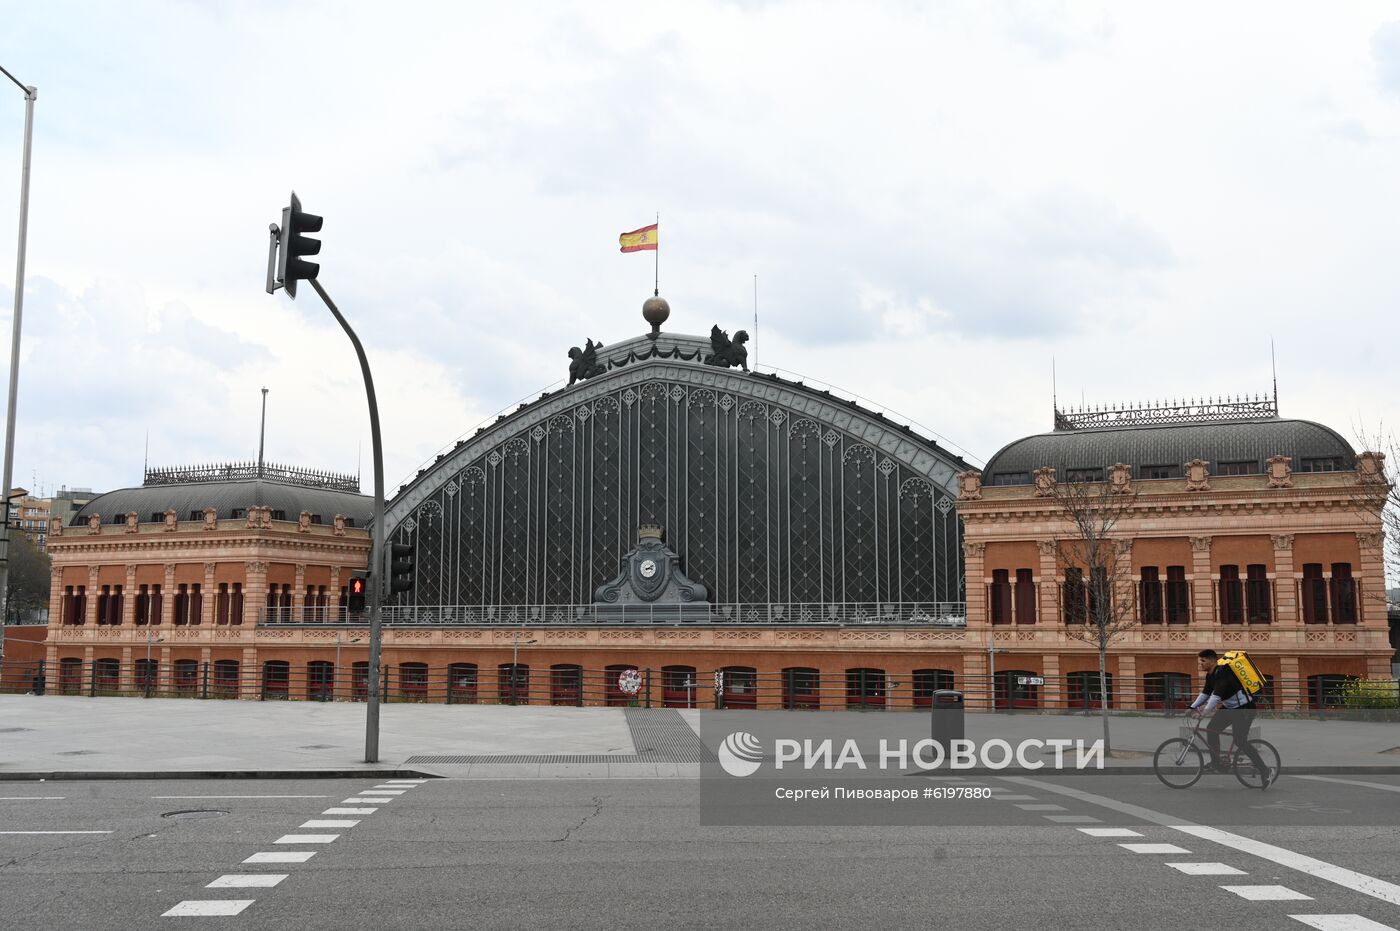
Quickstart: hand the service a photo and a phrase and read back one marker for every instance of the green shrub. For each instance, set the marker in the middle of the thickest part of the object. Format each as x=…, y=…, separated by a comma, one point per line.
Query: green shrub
x=1370, y=693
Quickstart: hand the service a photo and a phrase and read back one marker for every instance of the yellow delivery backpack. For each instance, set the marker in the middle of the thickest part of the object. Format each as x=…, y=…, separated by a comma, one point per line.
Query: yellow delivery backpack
x=1244, y=669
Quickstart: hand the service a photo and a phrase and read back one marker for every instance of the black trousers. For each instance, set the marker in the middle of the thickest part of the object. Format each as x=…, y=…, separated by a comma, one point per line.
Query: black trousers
x=1238, y=721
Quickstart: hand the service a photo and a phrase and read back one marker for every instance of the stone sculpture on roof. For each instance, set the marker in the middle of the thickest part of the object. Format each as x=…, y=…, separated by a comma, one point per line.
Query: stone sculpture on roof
x=727, y=353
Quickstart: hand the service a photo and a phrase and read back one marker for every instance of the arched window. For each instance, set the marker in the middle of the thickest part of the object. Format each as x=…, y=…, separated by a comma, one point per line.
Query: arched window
x=413, y=679
x=1086, y=691
x=70, y=675
x=276, y=678
x=613, y=694
x=1017, y=688
x=865, y=689
x=107, y=675
x=513, y=683
x=802, y=688
x=565, y=684
x=225, y=684
x=1167, y=690
x=320, y=680
x=461, y=683
x=359, y=680
x=928, y=681
x=740, y=687
x=679, y=685
x=186, y=676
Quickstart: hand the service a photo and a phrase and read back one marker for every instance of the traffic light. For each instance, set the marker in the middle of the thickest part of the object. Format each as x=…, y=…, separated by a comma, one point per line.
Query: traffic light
x=291, y=266
x=400, y=567
x=359, y=590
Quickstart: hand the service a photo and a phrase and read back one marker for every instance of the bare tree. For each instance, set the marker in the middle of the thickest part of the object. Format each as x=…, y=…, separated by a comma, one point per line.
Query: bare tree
x=1377, y=496
x=1097, y=594
x=29, y=576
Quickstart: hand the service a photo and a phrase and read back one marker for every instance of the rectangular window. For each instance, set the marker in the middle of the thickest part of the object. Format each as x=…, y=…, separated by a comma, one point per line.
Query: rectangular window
x=1237, y=468
x=279, y=515
x=1258, y=595
x=1160, y=471
x=1343, y=594
x=196, y=604
x=349, y=521
x=103, y=599
x=1084, y=475
x=236, y=608
x=1327, y=464
x=221, y=605
x=1178, y=596
x=182, y=605
x=1231, y=596
x=315, y=518
x=1074, y=596
x=236, y=513
x=1314, y=594
x=1025, y=597
x=157, y=518
x=196, y=515
x=1100, y=596
x=1001, y=597
x=1150, y=596
x=1011, y=478
x=157, y=604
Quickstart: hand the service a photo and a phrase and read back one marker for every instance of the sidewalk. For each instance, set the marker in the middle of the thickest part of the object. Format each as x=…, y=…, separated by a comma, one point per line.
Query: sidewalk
x=72, y=737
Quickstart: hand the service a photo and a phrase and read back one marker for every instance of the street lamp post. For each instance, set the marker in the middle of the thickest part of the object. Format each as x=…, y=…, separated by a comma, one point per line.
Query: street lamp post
x=150, y=639
x=31, y=94
x=516, y=642
x=992, y=651
x=335, y=682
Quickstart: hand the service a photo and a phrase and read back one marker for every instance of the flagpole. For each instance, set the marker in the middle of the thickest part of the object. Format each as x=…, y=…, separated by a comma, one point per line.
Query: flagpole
x=656, y=259
x=755, y=321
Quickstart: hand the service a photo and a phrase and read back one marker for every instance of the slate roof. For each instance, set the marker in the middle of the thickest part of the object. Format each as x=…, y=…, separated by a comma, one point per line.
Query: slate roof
x=226, y=496
x=1231, y=441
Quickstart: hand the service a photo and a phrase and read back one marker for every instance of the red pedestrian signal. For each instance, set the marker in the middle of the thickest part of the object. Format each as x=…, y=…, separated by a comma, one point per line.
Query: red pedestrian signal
x=359, y=589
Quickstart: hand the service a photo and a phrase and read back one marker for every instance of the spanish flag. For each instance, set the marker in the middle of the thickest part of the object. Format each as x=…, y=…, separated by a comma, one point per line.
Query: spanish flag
x=641, y=240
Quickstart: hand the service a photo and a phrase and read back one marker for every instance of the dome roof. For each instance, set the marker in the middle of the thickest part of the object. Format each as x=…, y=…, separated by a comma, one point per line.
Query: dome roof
x=149, y=500
x=1172, y=445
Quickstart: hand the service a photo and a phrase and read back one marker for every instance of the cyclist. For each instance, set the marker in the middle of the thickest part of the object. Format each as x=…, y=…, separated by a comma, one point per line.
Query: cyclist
x=1234, y=709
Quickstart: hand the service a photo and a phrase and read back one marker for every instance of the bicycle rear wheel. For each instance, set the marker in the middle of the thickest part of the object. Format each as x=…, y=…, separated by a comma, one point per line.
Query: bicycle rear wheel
x=1178, y=763
x=1247, y=773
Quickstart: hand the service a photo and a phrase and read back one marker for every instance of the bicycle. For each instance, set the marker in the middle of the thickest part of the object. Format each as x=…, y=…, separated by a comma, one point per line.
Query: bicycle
x=1181, y=761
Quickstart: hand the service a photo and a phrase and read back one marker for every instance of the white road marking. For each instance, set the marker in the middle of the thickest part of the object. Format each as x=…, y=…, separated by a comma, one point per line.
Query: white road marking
x=31, y=798
x=328, y=824
x=1267, y=893
x=238, y=796
x=362, y=801
x=349, y=811
x=1353, y=782
x=1016, y=798
x=392, y=789
x=1207, y=869
x=1350, y=879
x=1073, y=819
x=1341, y=923
x=1359, y=882
x=306, y=838
x=55, y=832
x=216, y=907
x=1153, y=848
x=247, y=881
x=1041, y=807
x=404, y=782
x=1110, y=832
x=281, y=856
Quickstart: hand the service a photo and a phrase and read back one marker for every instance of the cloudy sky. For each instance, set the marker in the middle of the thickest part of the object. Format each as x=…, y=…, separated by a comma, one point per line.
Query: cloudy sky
x=937, y=199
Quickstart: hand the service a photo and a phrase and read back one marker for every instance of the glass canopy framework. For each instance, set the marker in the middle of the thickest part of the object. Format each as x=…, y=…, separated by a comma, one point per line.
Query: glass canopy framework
x=769, y=492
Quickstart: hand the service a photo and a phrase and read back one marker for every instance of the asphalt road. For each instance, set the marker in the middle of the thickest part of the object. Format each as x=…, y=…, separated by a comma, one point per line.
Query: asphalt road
x=624, y=854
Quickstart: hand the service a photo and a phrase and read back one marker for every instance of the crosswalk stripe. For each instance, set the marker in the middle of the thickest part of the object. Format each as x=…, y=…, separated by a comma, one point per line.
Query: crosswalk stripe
x=247, y=881
x=281, y=856
x=306, y=838
x=1267, y=893
x=1341, y=923
x=193, y=908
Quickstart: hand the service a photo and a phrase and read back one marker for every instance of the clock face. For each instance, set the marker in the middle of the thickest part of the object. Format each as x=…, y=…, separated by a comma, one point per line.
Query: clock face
x=648, y=568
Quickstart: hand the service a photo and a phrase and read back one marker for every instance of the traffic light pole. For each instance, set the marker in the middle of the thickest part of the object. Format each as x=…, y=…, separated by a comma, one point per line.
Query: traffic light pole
x=377, y=573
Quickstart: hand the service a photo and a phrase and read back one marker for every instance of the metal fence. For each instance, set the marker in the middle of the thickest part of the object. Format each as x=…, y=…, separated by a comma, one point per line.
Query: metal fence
x=832, y=614
x=624, y=685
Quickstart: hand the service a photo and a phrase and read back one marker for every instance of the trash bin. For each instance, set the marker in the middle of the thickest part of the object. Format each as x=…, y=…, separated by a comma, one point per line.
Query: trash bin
x=39, y=684
x=947, y=722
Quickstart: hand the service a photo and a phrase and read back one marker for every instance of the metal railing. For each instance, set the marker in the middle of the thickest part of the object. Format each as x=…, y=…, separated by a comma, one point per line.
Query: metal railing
x=629, y=685
x=952, y=614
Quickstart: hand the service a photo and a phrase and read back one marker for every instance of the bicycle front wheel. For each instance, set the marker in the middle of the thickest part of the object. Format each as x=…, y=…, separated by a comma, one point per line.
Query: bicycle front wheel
x=1247, y=773
x=1178, y=763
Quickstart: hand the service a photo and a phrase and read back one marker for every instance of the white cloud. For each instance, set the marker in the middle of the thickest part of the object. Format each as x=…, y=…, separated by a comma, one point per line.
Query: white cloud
x=936, y=202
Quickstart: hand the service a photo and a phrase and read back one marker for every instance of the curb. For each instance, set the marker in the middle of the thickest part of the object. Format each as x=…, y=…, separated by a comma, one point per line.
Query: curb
x=224, y=774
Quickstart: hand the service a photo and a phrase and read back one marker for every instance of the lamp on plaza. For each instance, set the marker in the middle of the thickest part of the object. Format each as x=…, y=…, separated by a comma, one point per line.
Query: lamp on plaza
x=150, y=639
x=992, y=651
x=335, y=682
x=517, y=643
x=31, y=94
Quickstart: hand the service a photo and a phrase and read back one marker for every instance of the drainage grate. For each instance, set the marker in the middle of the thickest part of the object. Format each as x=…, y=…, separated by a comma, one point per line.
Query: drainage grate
x=661, y=735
